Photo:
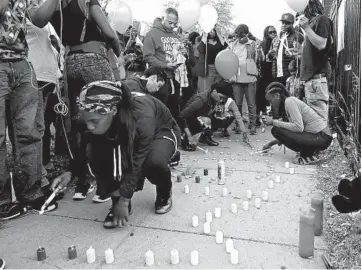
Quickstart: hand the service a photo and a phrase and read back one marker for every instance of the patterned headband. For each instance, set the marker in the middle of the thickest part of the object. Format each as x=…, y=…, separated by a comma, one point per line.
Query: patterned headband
x=100, y=97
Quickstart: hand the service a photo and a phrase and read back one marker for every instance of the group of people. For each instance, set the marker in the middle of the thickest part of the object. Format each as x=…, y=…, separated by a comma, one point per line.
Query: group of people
x=126, y=128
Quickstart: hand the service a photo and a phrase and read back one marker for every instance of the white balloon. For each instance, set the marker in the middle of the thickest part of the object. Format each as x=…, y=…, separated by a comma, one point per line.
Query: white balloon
x=189, y=13
x=297, y=5
x=120, y=15
x=208, y=18
x=204, y=2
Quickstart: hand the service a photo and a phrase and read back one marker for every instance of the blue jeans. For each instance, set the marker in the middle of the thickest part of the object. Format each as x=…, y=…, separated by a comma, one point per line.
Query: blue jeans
x=317, y=96
x=18, y=87
x=249, y=90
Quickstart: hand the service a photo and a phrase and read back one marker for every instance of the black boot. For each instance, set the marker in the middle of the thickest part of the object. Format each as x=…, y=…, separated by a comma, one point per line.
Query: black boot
x=163, y=202
x=206, y=138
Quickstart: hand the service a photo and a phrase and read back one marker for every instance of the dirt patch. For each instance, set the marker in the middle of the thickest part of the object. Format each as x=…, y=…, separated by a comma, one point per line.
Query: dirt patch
x=343, y=231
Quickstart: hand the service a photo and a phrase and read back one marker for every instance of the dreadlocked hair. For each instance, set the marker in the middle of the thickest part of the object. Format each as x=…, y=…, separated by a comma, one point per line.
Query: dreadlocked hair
x=127, y=128
x=313, y=9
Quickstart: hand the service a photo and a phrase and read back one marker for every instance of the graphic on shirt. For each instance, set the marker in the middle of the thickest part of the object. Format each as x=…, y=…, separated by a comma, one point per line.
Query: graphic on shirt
x=172, y=47
x=13, y=28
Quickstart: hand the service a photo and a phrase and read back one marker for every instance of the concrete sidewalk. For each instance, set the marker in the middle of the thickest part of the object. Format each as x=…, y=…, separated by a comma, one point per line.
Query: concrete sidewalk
x=265, y=237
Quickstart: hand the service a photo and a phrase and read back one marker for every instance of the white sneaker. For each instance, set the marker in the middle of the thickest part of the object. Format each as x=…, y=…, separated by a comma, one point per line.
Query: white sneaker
x=100, y=199
x=81, y=192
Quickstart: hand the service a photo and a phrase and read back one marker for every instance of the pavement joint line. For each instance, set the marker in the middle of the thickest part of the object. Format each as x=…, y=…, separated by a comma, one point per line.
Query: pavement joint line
x=194, y=233
x=238, y=170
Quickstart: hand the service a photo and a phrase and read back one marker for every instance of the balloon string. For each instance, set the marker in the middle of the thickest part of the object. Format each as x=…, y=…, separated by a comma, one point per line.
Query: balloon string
x=205, y=79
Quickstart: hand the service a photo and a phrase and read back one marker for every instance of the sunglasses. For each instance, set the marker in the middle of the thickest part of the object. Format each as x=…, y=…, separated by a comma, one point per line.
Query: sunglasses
x=272, y=32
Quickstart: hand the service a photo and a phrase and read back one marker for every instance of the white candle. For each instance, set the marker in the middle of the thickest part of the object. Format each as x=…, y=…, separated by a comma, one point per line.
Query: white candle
x=271, y=184
x=249, y=194
x=207, y=227
x=194, y=257
x=229, y=245
x=257, y=203
x=150, y=259
x=286, y=165
x=245, y=205
x=277, y=179
x=234, y=208
x=109, y=256
x=175, y=258
x=234, y=256
x=291, y=170
x=91, y=255
x=187, y=189
x=219, y=237
x=265, y=196
x=195, y=221
x=217, y=212
x=207, y=191
x=208, y=216
x=224, y=192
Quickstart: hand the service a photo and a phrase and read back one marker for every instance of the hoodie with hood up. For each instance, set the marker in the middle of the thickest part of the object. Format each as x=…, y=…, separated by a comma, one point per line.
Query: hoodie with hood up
x=159, y=45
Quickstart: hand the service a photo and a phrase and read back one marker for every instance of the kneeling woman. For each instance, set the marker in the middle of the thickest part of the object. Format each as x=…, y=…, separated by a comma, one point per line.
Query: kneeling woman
x=306, y=132
x=134, y=136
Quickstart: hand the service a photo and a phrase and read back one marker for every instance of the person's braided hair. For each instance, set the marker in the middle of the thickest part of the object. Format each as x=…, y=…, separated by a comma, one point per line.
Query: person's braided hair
x=274, y=88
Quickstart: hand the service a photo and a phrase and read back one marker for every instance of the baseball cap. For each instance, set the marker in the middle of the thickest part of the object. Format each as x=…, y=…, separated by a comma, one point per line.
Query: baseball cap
x=287, y=17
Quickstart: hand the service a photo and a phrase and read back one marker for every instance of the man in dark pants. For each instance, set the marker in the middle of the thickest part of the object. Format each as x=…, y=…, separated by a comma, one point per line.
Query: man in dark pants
x=158, y=47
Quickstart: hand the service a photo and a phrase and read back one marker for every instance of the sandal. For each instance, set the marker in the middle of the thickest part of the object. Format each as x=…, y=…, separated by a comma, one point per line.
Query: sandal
x=306, y=160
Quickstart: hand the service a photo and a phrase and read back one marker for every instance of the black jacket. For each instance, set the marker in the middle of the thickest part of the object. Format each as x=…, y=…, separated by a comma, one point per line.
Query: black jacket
x=153, y=121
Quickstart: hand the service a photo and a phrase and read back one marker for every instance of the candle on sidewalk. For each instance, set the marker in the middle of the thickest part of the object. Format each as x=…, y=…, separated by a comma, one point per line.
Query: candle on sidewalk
x=194, y=257
x=150, y=258
x=109, y=256
x=286, y=165
x=195, y=221
x=234, y=256
x=175, y=258
x=207, y=227
x=208, y=216
x=207, y=191
x=186, y=189
x=217, y=212
x=257, y=203
x=265, y=196
x=234, y=208
x=271, y=184
x=219, y=237
x=224, y=192
x=246, y=205
x=91, y=255
x=248, y=194
x=229, y=245
x=291, y=170
x=277, y=179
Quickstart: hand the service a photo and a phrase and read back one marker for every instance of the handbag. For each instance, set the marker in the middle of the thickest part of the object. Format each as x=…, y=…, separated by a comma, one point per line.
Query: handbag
x=251, y=68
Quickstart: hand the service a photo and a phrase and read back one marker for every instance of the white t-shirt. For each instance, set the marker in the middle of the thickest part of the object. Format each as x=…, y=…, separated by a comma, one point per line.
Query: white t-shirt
x=42, y=54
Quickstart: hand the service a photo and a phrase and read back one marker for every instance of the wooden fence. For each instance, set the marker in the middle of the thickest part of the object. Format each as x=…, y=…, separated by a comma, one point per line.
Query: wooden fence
x=346, y=82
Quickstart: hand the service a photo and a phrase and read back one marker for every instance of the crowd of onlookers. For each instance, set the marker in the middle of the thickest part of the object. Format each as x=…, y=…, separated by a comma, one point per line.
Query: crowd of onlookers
x=283, y=77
